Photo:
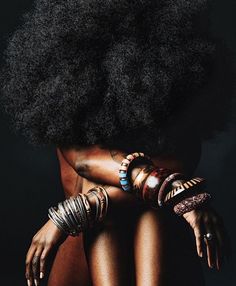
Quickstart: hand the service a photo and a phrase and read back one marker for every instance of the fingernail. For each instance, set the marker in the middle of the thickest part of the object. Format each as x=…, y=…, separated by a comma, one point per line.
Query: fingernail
x=36, y=282
x=28, y=282
x=200, y=254
x=41, y=275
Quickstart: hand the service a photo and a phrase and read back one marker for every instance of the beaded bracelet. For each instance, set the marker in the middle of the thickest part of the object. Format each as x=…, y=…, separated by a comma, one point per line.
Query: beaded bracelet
x=124, y=169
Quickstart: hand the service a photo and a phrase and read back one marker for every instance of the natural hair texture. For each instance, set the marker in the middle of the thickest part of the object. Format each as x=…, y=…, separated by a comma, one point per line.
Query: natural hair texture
x=90, y=71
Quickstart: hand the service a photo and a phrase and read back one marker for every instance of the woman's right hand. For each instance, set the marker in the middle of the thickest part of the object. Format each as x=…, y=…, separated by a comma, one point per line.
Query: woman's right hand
x=207, y=220
x=42, y=243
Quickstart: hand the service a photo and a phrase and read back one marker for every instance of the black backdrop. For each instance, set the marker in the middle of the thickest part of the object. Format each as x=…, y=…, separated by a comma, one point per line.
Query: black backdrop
x=30, y=176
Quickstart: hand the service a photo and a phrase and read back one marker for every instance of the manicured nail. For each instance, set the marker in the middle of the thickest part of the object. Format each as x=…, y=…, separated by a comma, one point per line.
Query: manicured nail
x=41, y=275
x=200, y=254
x=28, y=282
x=36, y=282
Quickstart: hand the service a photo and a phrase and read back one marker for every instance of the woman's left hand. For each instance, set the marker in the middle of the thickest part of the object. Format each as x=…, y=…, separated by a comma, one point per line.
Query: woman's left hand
x=209, y=230
x=42, y=243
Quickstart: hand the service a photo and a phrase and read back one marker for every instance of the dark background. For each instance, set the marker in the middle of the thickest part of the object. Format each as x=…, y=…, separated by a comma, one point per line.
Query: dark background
x=30, y=176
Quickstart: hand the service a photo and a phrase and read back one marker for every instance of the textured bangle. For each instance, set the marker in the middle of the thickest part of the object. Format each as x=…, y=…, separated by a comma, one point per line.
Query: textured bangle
x=191, y=203
x=191, y=185
x=124, y=169
x=165, y=185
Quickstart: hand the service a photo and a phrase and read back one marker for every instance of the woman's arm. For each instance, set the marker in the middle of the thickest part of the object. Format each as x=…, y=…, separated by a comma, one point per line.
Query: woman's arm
x=49, y=234
x=102, y=165
x=70, y=179
x=94, y=163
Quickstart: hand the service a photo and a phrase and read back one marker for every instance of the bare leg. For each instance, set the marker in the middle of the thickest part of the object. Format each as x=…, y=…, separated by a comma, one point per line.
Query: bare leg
x=70, y=265
x=148, y=249
x=164, y=253
x=109, y=251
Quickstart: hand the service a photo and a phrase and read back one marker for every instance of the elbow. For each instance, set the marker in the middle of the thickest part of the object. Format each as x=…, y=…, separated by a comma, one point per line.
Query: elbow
x=82, y=169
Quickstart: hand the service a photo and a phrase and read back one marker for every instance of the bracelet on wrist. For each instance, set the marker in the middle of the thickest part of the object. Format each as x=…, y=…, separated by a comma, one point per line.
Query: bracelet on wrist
x=156, y=185
x=125, y=169
x=185, y=189
x=192, y=203
x=74, y=215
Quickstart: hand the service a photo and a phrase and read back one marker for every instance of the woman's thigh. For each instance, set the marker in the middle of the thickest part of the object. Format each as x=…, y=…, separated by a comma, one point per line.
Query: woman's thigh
x=109, y=251
x=148, y=248
x=164, y=251
x=70, y=266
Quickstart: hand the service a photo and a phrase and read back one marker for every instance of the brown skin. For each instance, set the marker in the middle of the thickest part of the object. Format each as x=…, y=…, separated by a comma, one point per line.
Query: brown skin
x=143, y=229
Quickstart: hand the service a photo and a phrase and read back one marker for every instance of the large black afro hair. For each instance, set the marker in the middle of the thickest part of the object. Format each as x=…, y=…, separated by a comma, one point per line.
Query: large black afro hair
x=91, y=71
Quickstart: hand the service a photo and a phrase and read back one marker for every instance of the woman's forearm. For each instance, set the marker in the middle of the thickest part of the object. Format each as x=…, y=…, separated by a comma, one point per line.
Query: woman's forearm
x=97, y=164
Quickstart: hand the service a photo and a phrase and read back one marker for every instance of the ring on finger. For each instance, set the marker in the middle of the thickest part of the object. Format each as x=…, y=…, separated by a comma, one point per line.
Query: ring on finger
x=208, y=236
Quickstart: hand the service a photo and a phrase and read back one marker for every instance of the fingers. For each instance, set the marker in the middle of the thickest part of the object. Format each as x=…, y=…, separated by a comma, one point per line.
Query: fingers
x=43, y=261
x=211, y=251
x=214, y=243
x=223, y=242
x=36, y=266
x=210, y=236
x=210, y=240
x=29, y=257
x=33, y=264
x=198, y=239
x=219, y=249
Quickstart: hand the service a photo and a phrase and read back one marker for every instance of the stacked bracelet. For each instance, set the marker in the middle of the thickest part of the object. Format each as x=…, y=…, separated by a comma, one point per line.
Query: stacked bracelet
x=70, y=215
x=156, y=186
x=74, y=215
x=151, y=184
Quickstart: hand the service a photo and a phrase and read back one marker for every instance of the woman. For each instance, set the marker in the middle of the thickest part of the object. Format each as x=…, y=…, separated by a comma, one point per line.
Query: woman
x=101, y=79
x=106, y=248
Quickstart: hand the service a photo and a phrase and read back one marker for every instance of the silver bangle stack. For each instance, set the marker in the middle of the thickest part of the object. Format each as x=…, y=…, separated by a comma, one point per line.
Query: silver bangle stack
x=74, y=215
